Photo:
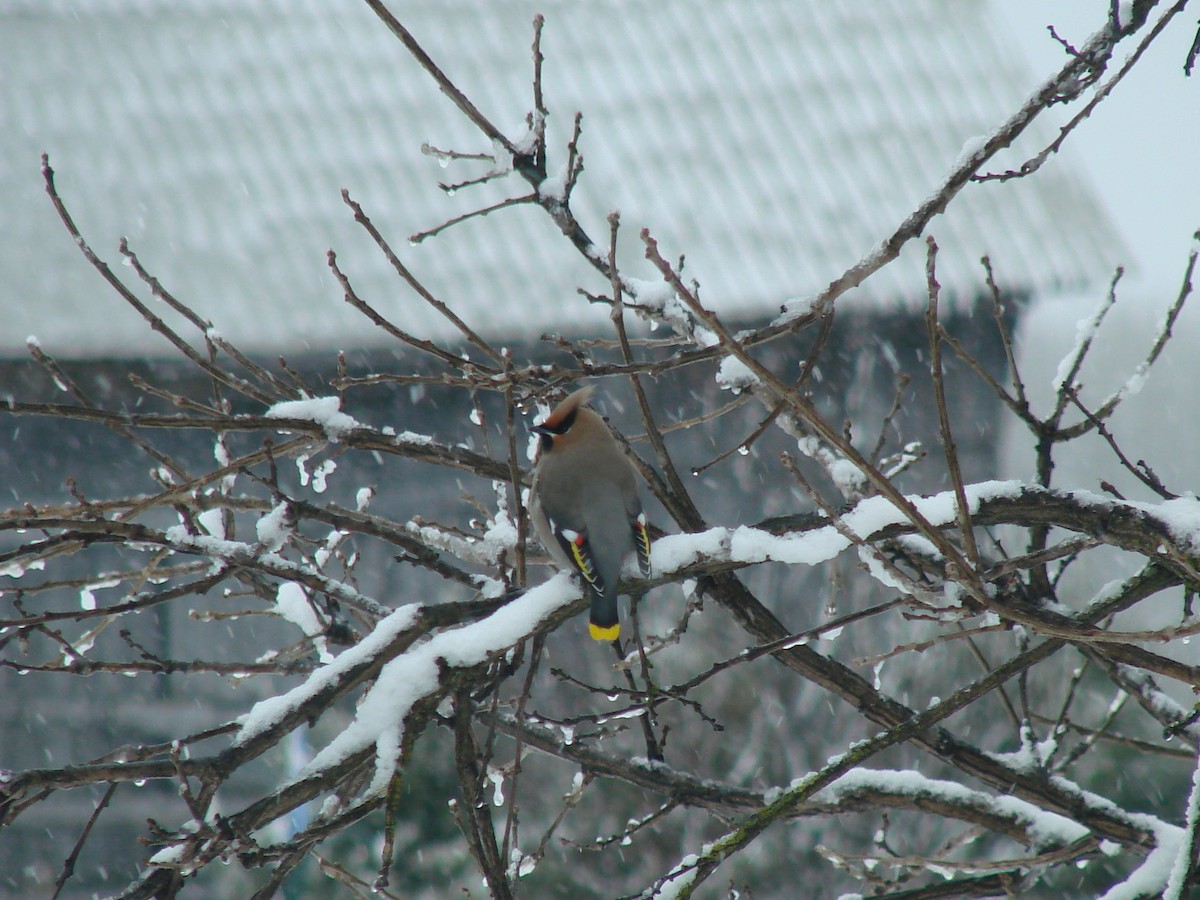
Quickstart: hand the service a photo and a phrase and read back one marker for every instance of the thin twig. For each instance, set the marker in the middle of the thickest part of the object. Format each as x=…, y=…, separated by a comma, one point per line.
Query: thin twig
x=68, y=868
x=939, y=394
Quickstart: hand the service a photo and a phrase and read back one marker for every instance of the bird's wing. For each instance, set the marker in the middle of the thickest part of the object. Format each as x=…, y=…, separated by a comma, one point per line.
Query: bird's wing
x=641, y=544
x=575, y=545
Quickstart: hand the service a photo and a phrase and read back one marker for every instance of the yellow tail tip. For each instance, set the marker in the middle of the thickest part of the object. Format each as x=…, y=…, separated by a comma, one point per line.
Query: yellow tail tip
x=601, y=633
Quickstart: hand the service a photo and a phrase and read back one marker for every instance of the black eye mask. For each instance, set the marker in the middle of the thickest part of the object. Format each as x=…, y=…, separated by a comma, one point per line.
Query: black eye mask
x=565, y=425
x=549, y=432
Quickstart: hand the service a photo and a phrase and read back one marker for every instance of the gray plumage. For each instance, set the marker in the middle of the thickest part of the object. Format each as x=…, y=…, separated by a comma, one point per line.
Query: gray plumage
x=585, y=507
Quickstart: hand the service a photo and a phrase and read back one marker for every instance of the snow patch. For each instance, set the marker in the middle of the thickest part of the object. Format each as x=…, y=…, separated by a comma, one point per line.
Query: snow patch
x=273, y=529
x=213, y=522
x=797, y=307
x=735, y=376
x=1044, y=828
x=404, y=680
x=325, y=411
x=412, y=438
x=292, y=604
x=554, y=187
x=673, y=552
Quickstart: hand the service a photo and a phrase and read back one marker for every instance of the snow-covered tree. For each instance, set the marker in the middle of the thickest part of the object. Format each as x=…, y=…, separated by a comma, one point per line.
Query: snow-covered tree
x=407, y=703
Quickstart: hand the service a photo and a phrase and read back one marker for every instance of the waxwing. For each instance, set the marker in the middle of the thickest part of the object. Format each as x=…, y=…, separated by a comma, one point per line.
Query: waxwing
x=585, y=507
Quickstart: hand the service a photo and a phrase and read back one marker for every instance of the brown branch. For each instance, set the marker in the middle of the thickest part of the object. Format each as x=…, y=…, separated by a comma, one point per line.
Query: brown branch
x=351, y=296
x=675, y=496
x=1141, y=472
x=157, y=324
x=413, y=282
x=68, y=868
x=420, y=236
x=1033, y=164
x=939, y=394
x=474, y=812
x=1108, y=406
x=804, y=409
x=447, y=87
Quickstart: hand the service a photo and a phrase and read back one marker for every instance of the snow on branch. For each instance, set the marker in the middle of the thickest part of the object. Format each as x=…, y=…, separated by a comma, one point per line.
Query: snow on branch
x=325, y=411
x=361, y=656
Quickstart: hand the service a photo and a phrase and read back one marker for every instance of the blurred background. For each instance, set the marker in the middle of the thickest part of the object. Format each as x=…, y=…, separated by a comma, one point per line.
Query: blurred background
x=773, y=142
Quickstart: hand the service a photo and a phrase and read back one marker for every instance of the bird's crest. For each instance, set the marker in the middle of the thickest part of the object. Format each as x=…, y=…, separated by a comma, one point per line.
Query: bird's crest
x=563, y=415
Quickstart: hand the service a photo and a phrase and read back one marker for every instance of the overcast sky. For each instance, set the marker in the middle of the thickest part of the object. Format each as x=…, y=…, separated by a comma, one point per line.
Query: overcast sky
x=1141, y=149
x=1142, y=152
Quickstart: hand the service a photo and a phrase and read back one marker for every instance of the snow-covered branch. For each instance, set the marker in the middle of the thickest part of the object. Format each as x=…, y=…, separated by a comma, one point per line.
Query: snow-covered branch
x=331, y=627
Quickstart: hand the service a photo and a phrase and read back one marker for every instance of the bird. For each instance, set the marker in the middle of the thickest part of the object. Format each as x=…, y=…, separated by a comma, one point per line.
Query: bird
x=585, y=507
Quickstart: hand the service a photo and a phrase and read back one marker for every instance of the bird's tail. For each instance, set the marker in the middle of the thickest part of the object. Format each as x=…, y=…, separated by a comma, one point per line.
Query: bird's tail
x=604, y=623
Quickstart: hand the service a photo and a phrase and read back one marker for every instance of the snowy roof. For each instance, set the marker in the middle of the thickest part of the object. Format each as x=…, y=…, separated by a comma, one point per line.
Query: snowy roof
x=773, y=142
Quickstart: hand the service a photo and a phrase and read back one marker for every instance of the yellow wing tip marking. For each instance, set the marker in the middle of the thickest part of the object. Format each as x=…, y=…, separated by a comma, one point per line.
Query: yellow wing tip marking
x=642, y=536
x=601, y=633
x=583, y=563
